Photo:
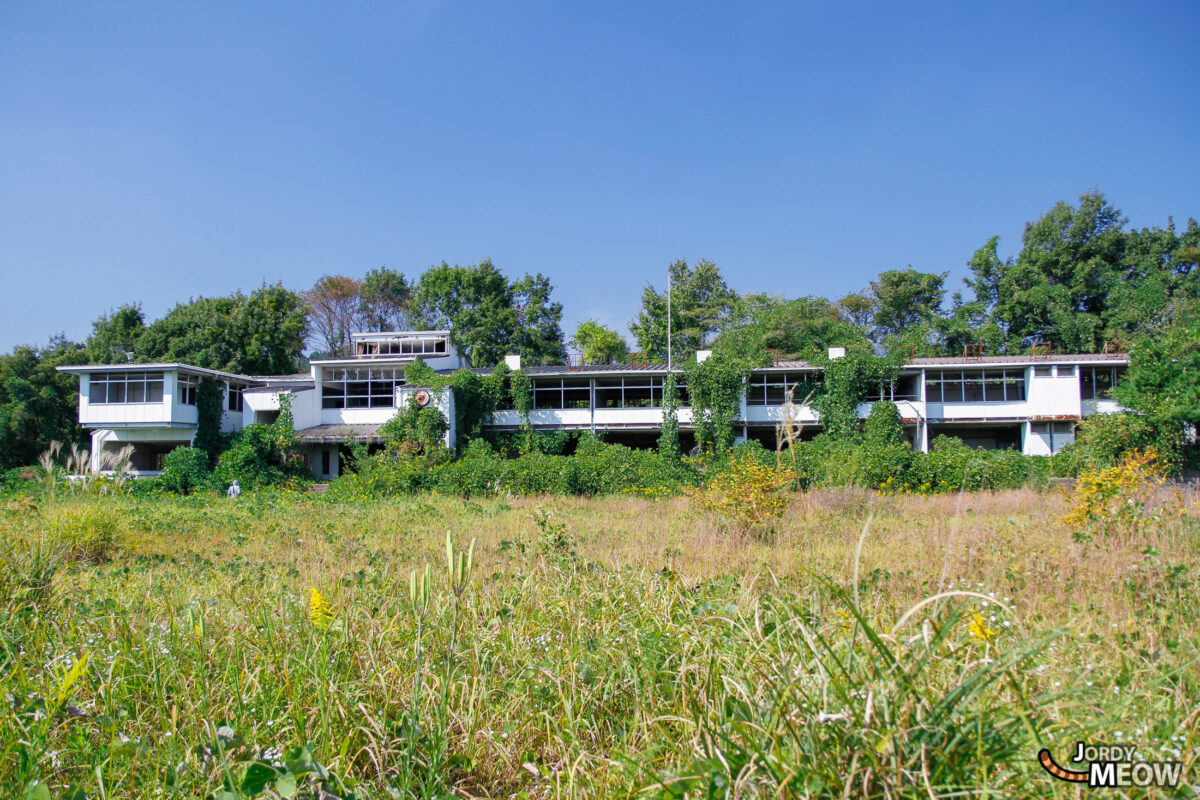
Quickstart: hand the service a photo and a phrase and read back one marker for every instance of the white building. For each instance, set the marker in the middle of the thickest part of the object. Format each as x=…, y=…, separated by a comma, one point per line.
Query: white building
x=1030, y=403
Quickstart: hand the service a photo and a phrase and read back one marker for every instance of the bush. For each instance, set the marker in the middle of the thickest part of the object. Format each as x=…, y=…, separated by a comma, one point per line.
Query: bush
x=257, y=458
x=1117, y=497
x=1104, y=440
x=185, y=469
x=744, y=493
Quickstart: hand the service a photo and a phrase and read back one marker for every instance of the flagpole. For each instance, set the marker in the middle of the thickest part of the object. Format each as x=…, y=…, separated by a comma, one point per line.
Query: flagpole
x=668, y=320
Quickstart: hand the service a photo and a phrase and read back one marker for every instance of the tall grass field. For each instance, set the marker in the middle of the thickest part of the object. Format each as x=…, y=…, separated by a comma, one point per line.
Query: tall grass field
x=291, y=645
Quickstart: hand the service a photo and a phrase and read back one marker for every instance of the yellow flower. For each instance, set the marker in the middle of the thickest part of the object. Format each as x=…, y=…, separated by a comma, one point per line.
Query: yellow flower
x=319, y=612
x=979, y=630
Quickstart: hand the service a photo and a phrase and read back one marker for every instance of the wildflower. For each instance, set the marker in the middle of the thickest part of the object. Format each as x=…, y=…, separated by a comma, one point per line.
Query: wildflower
x=979, y=630
x=319, y=612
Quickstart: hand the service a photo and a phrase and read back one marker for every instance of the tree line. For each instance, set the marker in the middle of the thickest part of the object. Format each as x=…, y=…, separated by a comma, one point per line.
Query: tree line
x=1082, y=279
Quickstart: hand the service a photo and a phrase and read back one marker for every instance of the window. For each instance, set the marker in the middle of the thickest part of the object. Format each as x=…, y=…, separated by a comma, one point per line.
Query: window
x=560, y=393
x=1066, y=370
x=125, y=387
x=643, y=391
x=771, y=388
x=1096, y=383
x=235, y=396
x=360, y=387
x=1043, y=372
x=403, y=347
x=325, y=462
x=187, y=388
x=975, y=386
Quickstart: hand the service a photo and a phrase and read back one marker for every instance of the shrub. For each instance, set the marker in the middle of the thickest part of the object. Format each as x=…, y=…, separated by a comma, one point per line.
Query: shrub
x=185, y=469
x=1105, y=439
x=257, y=458
x=744, y=493
x=416, y=429
x=1117, y=496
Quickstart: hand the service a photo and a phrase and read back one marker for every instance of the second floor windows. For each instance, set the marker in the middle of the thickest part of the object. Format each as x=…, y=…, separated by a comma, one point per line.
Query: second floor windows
x=772, y=388
x=1096, y=383
x=125, y=387
x=360, y=387
x=975, y=386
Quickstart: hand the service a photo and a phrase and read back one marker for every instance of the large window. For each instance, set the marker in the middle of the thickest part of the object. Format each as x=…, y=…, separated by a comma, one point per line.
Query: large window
x=771, y=388
x=1096, y=383
x=404, y=347
x=559, y=393
x=903, y=388
x=360, y=387
x=975, y=386
x=187, y=388
x=125, y=387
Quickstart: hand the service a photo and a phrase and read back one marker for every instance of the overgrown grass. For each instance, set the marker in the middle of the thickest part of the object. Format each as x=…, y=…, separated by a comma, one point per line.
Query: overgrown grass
x=870, y=647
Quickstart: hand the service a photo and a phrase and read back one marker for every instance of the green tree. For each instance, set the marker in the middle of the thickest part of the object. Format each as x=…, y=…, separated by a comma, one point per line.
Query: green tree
x=1057, y=289
x=905, y=298
x=115, y=335
x=488, y=316
x=1163, y=382
x=804, y=328
x=37, y=403
x=600, y=345
x=259, y=334
x=702, y=304
x=384, y=296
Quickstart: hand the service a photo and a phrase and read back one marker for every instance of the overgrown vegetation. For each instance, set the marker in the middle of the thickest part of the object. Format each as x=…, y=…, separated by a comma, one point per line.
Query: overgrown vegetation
x=298, y=646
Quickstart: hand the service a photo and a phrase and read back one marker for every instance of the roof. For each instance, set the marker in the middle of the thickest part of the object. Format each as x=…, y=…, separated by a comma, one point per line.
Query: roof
x=359, y=432
x=138, y=366
x=396, y=334
x=1065, y=358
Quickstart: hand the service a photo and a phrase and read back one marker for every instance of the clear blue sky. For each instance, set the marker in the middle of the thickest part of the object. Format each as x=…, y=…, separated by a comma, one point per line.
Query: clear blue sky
x=157, y=151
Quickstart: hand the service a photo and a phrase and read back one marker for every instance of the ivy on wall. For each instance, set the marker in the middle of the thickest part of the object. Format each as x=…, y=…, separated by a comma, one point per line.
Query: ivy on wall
x=210, y=407
x=716, y=386
x=848, y=381
x=475, y=396
x=668, y=439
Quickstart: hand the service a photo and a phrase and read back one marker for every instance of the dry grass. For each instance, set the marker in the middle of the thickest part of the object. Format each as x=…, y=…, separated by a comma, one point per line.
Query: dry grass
x=604, y=678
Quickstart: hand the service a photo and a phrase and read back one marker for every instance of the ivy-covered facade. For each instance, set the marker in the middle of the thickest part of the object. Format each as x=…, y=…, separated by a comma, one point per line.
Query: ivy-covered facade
x=1030, y=403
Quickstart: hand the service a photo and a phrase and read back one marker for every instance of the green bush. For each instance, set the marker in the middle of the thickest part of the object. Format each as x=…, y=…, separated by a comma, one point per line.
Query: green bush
x=257, y=458
x=185, y=469
x=1104, y=438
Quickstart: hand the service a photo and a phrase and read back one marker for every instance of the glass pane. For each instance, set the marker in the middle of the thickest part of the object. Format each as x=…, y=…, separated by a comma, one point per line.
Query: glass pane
x=135, y=393
x=952, y=392
x=933, y=392
x=97, y=392
x=154, y=391
x=547, y=398
x=638, y=397
x=972, y=391
x=608, y=397
x=1016, y=389
x=116, y=393
x=577, y=398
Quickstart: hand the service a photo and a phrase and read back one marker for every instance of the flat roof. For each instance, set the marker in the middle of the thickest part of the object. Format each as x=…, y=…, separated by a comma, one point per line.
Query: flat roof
x=137, y=366
x=396, y=334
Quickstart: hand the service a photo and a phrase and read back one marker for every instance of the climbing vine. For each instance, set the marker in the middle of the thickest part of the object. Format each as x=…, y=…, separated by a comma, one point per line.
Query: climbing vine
x=210, y=401
x=848, y=381
x=715, y=387
x=520, y=385
x=668, y=439
x=475, y=396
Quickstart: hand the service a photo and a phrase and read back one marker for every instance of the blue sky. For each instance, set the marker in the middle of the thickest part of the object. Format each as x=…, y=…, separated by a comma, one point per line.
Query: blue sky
x=158, y=151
